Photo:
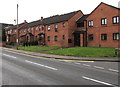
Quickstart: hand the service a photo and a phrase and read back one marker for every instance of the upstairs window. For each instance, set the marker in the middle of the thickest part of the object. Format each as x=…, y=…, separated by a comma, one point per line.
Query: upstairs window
x=63, y=24
x=115, y=20
x=56, y=26
x=90, y=36
x=37, y=28
x=115, y=36
x=90, y=23
x=103, y=36
x=103, y=21
x=80, y=24
x=24, y=31
x=48, y=28
x=29, y=29
x=42, y=27
x=55, y=38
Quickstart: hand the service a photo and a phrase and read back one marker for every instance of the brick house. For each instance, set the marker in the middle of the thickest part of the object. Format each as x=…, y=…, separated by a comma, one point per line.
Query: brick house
x=11, y=32
x=59, y=29
x=97, y=29
x=2, y=27
x=52, y=31
x=33, y=31
x=103, y=26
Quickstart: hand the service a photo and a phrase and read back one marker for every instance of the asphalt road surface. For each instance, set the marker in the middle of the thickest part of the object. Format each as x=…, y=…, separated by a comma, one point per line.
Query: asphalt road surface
x=22, y=69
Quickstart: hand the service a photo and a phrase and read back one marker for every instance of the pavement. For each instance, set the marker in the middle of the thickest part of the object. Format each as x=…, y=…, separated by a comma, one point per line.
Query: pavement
x=116, y=59
x=23, y=69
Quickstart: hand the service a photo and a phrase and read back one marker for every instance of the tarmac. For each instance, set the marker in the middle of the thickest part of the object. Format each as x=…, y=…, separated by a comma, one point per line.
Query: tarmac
x=114, y=59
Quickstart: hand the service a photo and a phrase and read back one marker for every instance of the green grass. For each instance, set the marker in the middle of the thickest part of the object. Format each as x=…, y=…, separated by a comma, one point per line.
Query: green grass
x=36, y=48
x=85, y=52
x=74, y=51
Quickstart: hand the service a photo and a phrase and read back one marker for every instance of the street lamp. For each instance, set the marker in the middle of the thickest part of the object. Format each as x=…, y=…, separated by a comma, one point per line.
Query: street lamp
x=17, y=28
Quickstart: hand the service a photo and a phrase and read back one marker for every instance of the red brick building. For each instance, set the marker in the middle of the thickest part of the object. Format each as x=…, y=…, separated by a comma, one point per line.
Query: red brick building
x=103, y=26
x=97, y=29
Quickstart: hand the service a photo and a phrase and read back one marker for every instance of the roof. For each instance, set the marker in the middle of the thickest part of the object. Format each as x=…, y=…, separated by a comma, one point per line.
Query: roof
x=31, y=24
x=51, y=20
x=82, y=18
x=3, y=25
x=14, y=27
x=11, y=27
x=59, y=18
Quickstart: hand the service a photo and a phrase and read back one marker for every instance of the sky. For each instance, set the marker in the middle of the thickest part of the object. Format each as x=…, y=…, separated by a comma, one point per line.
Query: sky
x=32, y=10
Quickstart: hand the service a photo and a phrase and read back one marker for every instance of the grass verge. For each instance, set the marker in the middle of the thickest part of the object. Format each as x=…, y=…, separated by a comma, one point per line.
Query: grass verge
x=36, y=48
x=84, y=52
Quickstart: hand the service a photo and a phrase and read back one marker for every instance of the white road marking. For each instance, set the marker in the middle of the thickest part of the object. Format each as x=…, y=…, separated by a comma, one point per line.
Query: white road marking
x=41, y=65
x=96, y=80
x=77, y=63
x=9, y=56
x=86, y=65
x=98, y=67
x=113, y=70
x=68, y=61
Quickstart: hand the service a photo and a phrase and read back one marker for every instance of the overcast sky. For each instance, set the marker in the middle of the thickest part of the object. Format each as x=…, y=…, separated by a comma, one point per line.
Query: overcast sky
x=32, y=10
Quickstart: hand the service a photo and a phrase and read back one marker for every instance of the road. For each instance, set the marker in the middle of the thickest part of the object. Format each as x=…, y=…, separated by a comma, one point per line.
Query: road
x=22, y=69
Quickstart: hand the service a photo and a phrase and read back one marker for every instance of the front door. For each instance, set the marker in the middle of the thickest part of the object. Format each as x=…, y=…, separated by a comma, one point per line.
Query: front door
x=76, y=39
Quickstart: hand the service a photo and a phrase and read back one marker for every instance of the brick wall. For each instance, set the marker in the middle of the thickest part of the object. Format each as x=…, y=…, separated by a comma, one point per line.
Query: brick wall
x=108, y=12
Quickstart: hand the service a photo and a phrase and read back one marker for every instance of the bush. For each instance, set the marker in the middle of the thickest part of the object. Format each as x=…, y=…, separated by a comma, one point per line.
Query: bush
x=30, y=43
x=10, y=43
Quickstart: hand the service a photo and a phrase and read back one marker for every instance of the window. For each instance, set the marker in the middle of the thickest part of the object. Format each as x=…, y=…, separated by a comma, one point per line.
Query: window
x=90, y=23
x=115, y=36
x=48, y=38
x=56, y=38
x=56, y=30
x=80, y=24
x=103, y=21
x=69, y=40
x=37, y=28
x=43, y=27
x=103, y=36
x=56, y=26
x=115, y=20
x=24, y=31
x=48, y=28
x=63, y=37
x=29, y=29
x=90, y=36
x=63, y=24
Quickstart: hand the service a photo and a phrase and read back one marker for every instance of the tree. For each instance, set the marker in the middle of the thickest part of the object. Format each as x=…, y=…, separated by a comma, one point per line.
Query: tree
x=3, y=35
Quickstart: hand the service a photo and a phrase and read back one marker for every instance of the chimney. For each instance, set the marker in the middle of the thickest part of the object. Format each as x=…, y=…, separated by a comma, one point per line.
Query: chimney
x=25, y=21
x=41, y=19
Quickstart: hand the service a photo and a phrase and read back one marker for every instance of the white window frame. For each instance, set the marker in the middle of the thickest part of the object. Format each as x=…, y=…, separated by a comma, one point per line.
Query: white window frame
x=115, y=19
x=49, y=27
x=56, y=26
x=37, y=28
x=116, y=36
x=90, y=23
x=103, y=21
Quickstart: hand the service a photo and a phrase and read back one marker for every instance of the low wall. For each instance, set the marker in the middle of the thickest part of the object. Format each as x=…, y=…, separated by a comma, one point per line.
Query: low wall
x=2, y=44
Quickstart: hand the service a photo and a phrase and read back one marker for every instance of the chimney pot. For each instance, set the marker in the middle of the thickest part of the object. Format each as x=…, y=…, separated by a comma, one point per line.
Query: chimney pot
x=25, y=21
x=41, y=19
